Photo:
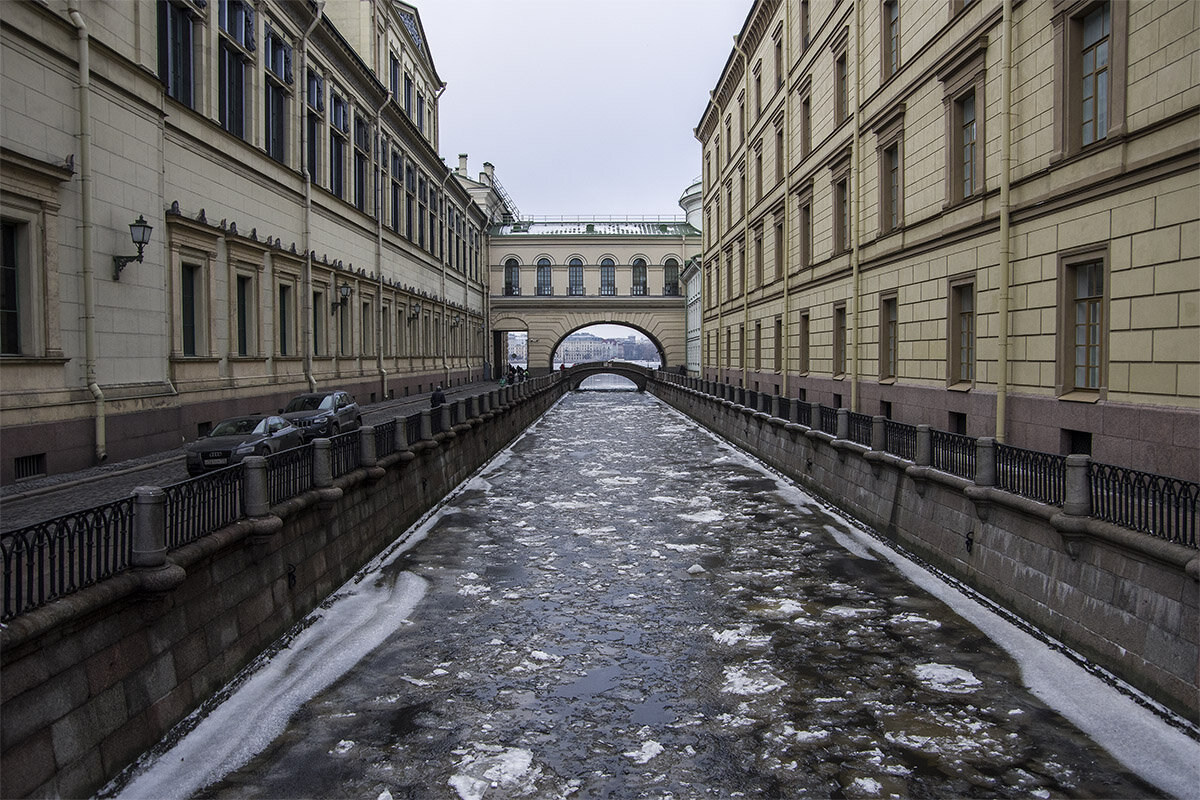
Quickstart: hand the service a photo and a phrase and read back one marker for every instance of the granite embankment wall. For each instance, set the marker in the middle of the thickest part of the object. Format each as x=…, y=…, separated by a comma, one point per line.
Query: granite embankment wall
x=1126, y=600
x=90, y=682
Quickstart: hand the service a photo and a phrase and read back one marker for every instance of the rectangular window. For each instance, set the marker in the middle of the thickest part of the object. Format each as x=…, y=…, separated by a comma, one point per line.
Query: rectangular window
x=385, y=330
x=394, y=80
x=278, y=58
x=839, y=339
x=189, y=288
x=779, y=344
x=780, y=155
x=962, y=332
x=318, y=323
x=315, y=102
x=806, y=124
x=236, y=22
x=285, y=320
x=671, y=278
x=758, y=173
x=758, y=90
x=175, y=58
x=804, y=342
x=841, y=220
x=10, y=290
x=806, y=232
x=778, y=63
x=544, y=288
x=804, y=26
x=841, y=90
x=397, y=189
x=888, y=332
x=889, y=188
x=362, y=149
x=1090, y=73
x=757, y=346
x=891, y=38
x=408, y=96
x=512, y=279
x=759, y=276
x=410, y=200
x=1087, y=285
x=244, y=301
x=967, y=139
x=1097, y=28
x=339, y=128
x=608, y=281
x=420, y=112
x=575, y=280
x=367, y=323
x=780, y=247
x=639, y=280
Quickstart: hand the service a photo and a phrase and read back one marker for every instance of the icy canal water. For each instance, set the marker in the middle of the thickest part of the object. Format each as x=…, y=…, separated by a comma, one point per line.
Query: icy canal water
x=622, y=606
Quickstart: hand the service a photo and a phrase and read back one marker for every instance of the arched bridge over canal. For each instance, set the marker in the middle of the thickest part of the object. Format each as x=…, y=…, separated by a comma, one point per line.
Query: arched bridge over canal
x=638, y=374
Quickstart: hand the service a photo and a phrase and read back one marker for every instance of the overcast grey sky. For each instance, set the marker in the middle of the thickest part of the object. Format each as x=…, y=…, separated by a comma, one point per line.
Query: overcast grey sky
x=583, y=106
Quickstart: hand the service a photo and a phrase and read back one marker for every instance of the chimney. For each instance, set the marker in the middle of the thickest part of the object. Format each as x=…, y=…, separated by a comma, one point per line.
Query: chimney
x=488, y=170
x=462, y=164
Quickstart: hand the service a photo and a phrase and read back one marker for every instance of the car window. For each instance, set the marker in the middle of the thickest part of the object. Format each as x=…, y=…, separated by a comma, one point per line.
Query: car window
x=305, y=402
x=233, y=427
x=327, y=402
x=262, y=427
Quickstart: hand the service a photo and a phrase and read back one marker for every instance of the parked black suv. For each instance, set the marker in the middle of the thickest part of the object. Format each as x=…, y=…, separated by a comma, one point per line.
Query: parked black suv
x=322, y=413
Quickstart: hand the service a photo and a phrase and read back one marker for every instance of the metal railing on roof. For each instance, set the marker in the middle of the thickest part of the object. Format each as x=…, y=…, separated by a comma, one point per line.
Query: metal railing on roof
x=604, y=218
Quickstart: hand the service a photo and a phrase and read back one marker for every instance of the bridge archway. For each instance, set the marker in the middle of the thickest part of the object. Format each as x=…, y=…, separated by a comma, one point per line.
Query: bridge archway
x=611, y=323
x=638, y=374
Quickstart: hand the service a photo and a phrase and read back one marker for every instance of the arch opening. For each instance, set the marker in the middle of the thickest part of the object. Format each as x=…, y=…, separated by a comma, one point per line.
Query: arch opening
x=608, y=341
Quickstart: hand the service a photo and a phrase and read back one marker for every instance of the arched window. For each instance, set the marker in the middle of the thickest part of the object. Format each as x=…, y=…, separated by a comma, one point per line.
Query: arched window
x=543, y=278
x=575, y=277
x=608, y=277
x=639, y=277
x=512, y=278
x=671, y=278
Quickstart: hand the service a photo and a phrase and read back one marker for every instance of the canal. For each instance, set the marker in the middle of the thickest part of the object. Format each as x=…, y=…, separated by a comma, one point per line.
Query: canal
x=622, y=606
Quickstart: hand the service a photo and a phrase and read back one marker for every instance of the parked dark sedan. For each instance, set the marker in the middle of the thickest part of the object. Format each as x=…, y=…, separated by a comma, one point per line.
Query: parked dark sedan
x=233, y=439
x=323, y=413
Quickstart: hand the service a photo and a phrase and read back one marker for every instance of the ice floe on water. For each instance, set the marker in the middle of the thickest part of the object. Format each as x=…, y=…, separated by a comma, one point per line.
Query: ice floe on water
x=946, y=678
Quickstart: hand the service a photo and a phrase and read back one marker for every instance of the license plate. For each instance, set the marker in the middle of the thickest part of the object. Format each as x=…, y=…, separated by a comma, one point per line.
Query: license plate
x=215, y=462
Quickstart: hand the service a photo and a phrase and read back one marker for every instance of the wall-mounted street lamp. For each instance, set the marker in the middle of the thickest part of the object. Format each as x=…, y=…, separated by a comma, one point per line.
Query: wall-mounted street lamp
x=139, y=231
x=345, y=290
x=415, y=311
x=455, y=321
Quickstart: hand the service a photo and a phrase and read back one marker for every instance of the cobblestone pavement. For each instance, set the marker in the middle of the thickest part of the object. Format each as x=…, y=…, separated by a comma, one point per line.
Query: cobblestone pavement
x=622, y=606
x=34, y=500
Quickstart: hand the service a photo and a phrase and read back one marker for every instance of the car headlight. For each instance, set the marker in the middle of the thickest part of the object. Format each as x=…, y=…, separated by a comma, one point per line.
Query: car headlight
x=244, y=448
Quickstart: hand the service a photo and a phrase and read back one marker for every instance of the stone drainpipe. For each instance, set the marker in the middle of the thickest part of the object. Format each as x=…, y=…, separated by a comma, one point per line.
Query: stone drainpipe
x=85, y=198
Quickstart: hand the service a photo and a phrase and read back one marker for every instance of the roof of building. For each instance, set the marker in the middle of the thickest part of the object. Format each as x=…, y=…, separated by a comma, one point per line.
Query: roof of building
x=585, y=227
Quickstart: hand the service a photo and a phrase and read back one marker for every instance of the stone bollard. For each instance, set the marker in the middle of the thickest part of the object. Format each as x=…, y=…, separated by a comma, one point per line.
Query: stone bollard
x=426, y=424
x=924, y=446
x=471, y=409
x=400, y=436
x=322, y=464
x=985, y=461
x=843, y=423
x=1077, y=491
x=254, y=487
x=366, y=446
x=879, y=433
x=444, y=417
x=149, y=527
x=774, y=410
x=814, y=416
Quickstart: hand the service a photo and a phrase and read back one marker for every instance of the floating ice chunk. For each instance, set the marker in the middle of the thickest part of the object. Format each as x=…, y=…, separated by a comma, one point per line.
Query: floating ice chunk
x=384, y=795
x=568, y=504
x=468, y=788
x=649, y=750
x=868, y=785
x=343, y=747
x=683, y=548
x=695, y=569
x=945, y=678
x=850, y=612
x=414, y=681
x=667, y=500
x=712, y=515
x=739, y=680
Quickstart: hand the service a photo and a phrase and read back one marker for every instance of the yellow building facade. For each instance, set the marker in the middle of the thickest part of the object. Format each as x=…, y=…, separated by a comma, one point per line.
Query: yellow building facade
x=979, y=215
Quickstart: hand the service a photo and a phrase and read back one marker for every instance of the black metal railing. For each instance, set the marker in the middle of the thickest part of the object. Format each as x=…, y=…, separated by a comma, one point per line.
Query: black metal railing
x=412, y=428
x=828, y=420
x=1030, y=473
x=785, y=408
x=900, y=439
x=344, y=452
x=46, y=561
x=860, y=428
x=1153, y=504
x=803, y=413
x=455, y=414
x=385, y=438
x=289, y=473
x=953, y=453
x=751, y=399
x=198, y=506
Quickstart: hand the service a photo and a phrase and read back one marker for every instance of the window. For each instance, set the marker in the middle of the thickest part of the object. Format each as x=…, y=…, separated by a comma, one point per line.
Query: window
x=339, y=127
x=385, y=330
x=805, y=120
x=778, y=344
x=512, y=278
x=11, y=285
x=758, y=173
x=410, y=200
x=780, y=246
x=728, y=138
x=397, y=189
x=191, y=294
x=759, y=276
x=318, y=324
x=285, y=314
x=544, y=288
x=1083, y=321
x=420, y=112
x=741, y=273
x=671, y=278
x=888, y=333
x=729, y=274
x=408, y=96
x=780, y=155
x=758, y=90
x=757, y=345
x=362, y=147
x=314, y=97
x=890, y=136
x=367, y=325
x=639, y=277
x=842, y=227
x=804, y=27
x=962, y=332
x=608, y=277
x=175, y=58
x=804, y=342
x=839, y=339
x=236, y=21
x=891, y=38
x=841, y=90
x=278, y=59
x=245, y=305
x=804, y=223
x=964, y=100
x=778, y=62
x=575, y=277
x=1090, y=43
x=394, y=77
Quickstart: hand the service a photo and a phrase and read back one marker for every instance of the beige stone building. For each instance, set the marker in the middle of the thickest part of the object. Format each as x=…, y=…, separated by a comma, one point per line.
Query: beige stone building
x=979, y=215
x=551, y=277
x=305, y=231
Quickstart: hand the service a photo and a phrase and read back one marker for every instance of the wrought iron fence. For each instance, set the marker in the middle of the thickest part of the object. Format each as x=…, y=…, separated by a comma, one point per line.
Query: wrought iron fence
x=828, y=420
x=344, y=452
x=1153, y=504
x=198, y=506
x=751, y=399
x=803, y=413
x=412, y=428
x=385, y=438
x=455, y=414
x=290, y=472
x=435, y=420
x=860, y=428
x=51, y=559
x=785, y=408
x=954, y=453
x=1029, y=473
x=900, y=439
